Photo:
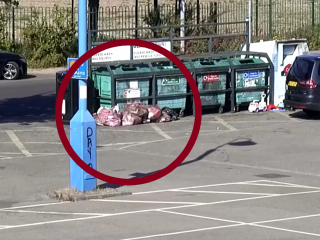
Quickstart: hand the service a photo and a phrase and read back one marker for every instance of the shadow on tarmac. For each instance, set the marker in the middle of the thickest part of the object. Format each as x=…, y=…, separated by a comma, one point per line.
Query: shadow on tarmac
x=29, y=76
x=27, y=110
x=301, y=115
x=240, y=142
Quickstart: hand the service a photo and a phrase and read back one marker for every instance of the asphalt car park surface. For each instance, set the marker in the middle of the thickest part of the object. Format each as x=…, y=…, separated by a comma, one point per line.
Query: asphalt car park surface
x=249, y=176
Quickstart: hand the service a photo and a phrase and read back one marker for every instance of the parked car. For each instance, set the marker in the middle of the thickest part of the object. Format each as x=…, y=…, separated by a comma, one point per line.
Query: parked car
x=303, y=84
x=12, y=66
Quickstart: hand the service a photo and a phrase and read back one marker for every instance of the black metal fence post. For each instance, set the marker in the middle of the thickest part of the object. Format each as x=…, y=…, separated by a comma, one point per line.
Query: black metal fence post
x=257, y=18
x=198, y=11
x=72, y=11
x=312, y=13
x=171, y=38
x=271, y=96
x=13, y=25
x=270, y=20
x=89, y=46
x=136, y=18
x=247, y=34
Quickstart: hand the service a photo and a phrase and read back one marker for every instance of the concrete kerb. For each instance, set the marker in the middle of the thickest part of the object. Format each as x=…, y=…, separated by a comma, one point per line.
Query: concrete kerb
x=71, y=195
x=45, y=71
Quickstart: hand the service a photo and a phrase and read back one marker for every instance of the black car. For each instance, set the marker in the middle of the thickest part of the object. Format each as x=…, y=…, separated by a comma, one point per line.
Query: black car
x=12, y=66
x=303, y=85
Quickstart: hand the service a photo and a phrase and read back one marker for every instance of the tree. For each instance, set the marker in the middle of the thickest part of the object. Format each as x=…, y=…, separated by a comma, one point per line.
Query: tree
x=10, y=2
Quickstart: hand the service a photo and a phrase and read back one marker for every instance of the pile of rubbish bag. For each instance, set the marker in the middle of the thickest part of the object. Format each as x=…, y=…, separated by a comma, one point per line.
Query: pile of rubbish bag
x=134, y=113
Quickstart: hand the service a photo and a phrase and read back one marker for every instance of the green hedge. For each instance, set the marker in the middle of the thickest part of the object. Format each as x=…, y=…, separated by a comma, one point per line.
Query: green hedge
x=50, y=44
x=44, y=44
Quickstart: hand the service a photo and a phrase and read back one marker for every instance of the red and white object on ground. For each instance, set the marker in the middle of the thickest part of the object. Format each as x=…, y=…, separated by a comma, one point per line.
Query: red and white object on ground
x=257, y=106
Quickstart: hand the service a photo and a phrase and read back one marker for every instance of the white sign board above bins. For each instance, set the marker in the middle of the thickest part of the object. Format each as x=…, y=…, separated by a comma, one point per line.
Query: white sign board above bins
x=123, y=53
x=145, y=53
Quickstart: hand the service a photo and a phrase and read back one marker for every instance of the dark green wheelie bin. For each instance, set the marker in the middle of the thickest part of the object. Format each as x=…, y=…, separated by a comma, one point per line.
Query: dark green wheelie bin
x=130, y=82
x=212, y=78
x=171, y=85
x=248, y=78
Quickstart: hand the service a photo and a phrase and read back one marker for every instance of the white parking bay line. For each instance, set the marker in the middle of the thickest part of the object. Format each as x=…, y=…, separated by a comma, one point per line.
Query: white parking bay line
x=280, y=186
x=225, y=124
x=157, y=209
x=138, y=201
x=183, y=232
x=17, y=142
x=237, y=223
x=158, y=130
x=35, y=205
x=292, y=184
x=219, y=192
x=4, y=226
x=198, y=216
x=288, y=219
x=53, y=213
x=50, y=222
x=199, y=186
x=11, y=153
x=286, y=230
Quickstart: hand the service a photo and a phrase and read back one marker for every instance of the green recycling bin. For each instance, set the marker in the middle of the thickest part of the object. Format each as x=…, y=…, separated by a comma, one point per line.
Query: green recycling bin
x=212, y=77
x=249, y=78
x=171, y=82
x=129, y=81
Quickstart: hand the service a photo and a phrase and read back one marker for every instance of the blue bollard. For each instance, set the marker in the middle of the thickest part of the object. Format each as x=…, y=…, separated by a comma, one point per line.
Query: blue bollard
x=83, y=132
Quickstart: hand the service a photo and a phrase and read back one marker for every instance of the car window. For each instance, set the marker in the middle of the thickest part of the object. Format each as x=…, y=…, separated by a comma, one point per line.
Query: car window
x=301, y=69
x=316, y=72
x=289, y=50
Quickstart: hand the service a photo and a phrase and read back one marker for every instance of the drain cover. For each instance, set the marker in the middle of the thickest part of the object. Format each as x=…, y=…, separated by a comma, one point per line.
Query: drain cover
x=272, y=175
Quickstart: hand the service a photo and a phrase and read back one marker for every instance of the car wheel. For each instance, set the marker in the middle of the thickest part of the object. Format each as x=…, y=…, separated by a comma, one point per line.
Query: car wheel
x=311, y=113
x=11, y=71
